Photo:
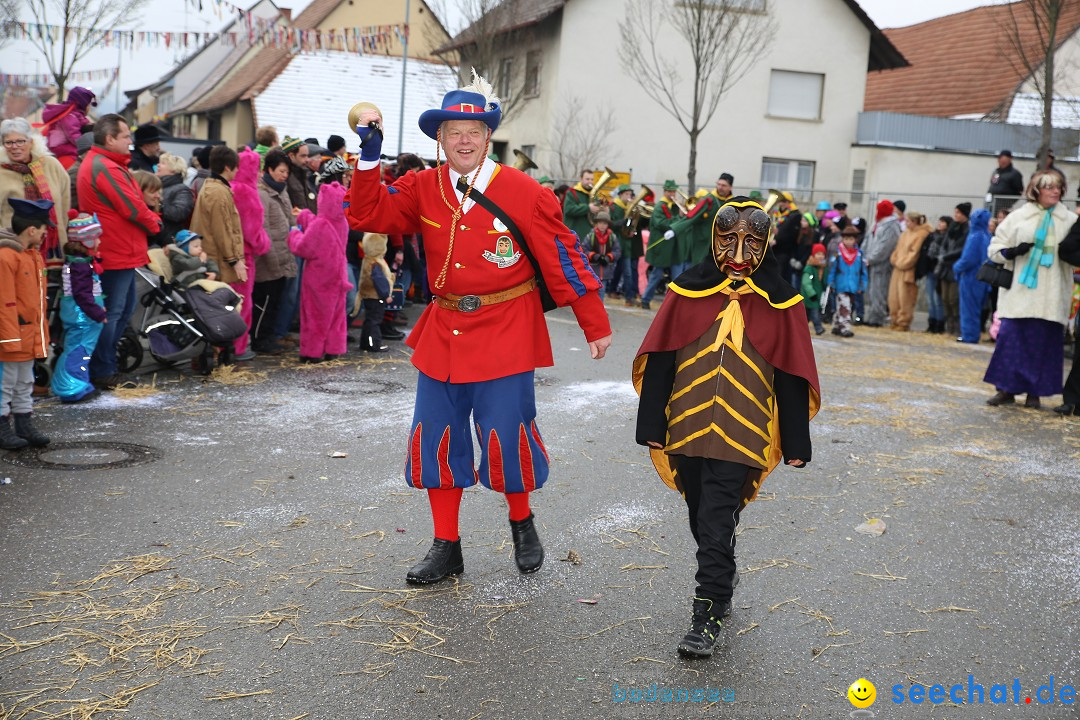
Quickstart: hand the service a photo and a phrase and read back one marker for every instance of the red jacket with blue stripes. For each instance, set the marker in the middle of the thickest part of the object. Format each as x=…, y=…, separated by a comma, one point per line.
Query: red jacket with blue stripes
x=496, y=340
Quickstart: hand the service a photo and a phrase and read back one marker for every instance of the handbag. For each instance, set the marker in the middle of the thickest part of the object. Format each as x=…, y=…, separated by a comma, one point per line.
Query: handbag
x=995, y=275
x=546, y=301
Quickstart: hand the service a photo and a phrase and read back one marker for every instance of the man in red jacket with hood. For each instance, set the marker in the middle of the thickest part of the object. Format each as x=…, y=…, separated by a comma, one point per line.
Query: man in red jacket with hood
x=107, y=189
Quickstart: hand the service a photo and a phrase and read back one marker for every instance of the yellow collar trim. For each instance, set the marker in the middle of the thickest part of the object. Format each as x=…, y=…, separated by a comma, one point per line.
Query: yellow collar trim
x=723, y=286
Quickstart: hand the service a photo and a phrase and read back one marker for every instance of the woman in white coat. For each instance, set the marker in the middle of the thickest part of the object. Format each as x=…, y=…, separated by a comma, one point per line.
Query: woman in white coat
x=1029, y=356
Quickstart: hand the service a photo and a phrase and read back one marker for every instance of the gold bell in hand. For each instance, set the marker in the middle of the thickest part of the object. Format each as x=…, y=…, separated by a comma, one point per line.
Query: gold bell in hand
x=359, y=109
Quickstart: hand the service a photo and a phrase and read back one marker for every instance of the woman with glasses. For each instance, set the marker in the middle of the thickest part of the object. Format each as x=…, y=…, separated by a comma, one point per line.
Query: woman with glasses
x=29, y=171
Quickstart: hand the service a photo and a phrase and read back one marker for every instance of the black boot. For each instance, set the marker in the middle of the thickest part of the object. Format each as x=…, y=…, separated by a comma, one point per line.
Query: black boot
x=442, y=560
x=528, y=552
x=704, y=629
x=26, y=430
x=8, y=439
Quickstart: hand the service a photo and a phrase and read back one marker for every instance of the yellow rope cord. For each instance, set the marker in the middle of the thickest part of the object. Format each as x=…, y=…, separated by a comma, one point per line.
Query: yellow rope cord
x=457, y=211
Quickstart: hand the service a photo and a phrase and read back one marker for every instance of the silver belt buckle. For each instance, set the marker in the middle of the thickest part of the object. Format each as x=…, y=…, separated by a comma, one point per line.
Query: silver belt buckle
x=469, y=303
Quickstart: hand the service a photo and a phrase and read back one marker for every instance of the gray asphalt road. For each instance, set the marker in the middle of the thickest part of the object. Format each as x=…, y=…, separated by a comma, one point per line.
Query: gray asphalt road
x=247, y=574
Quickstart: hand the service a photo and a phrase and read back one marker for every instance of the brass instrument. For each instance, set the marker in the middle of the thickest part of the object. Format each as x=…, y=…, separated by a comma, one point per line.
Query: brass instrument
x=685, y=205
x=605, y=177
x=637, y=210
x=774, y=196
x=523, y=162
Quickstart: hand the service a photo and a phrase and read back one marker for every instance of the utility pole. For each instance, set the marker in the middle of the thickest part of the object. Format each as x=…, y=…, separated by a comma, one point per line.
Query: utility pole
x=404, y=64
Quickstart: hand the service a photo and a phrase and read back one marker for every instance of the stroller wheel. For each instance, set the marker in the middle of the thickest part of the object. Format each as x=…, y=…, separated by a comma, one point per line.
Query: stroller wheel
x=42, y=373
x=129, y=351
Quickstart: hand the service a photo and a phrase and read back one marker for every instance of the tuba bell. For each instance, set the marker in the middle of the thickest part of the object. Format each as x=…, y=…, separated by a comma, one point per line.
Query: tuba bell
x=605, y=178
x=774, y=196
x=359, y=109
x=523, y=162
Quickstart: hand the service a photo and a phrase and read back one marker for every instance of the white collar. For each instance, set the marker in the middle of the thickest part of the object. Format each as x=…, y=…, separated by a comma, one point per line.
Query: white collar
x=487, y=169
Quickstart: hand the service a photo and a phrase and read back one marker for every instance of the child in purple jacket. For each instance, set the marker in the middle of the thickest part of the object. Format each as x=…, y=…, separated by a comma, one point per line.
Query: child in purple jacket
x=82, y=309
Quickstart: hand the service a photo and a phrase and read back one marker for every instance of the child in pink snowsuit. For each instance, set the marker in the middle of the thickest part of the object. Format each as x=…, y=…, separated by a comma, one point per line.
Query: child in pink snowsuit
x=326, y=280
x=62, y=124
x=256, y=240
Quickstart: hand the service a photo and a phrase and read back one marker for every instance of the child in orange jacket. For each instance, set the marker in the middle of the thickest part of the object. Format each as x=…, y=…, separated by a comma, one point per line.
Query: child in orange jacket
x=24, y=329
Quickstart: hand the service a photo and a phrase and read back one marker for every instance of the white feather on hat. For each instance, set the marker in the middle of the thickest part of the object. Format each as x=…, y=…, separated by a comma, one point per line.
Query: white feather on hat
x=482, y=87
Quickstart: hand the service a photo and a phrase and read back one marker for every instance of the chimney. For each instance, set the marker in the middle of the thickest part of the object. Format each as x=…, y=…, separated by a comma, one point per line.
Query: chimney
x=286, y=13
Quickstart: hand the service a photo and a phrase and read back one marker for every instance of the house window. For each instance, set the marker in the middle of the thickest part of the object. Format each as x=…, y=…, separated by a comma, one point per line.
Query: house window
x=795, y=94
x=787, y=174
x=506, y=75
x=532, y=73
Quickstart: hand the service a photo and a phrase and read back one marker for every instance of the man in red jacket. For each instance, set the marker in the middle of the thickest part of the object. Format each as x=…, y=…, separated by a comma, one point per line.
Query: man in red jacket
x=477, y=345
x=106, y=188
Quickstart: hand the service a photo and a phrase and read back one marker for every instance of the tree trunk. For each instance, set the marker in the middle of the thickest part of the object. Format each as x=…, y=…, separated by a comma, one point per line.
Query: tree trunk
x=691, y=175
x=1053, y=14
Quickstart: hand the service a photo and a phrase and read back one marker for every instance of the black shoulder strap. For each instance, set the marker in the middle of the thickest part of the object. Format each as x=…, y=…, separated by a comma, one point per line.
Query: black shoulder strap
x=488, y=204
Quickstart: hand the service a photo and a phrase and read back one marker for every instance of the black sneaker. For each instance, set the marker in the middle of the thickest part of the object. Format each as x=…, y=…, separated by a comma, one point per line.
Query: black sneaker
x=705, y=627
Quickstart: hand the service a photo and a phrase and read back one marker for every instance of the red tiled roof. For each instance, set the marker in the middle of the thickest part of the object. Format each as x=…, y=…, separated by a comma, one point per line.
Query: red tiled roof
x=963, y=63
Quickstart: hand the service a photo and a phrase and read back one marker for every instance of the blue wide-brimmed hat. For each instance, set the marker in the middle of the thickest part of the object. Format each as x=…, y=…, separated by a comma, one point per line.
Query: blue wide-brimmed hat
x=460, y=105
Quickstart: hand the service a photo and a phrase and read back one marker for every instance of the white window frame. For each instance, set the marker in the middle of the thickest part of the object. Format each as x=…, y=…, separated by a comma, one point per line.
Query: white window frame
x=791, y=181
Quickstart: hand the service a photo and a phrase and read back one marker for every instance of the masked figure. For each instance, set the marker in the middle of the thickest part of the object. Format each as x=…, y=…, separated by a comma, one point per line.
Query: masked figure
x=728, y=384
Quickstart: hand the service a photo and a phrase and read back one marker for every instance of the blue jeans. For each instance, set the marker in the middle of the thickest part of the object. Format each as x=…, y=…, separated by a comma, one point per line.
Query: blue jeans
x=629, y=277
x=933, y=299
x=118, y=288
x=678, y=269
x=814, y=314
x=617, y=274
x=656, y=276
x=289, y=303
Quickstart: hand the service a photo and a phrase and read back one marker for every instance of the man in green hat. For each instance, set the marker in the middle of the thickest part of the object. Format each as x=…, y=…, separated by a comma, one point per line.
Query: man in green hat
x=661, y=251
x=694, y=232
x=546, y=182
x=578, y=209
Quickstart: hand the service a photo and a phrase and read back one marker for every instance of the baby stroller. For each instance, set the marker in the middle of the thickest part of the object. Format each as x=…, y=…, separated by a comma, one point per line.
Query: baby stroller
x=187, y=323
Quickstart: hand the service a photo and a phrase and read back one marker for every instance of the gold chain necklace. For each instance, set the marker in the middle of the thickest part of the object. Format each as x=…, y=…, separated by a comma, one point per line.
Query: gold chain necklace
x=457, y=211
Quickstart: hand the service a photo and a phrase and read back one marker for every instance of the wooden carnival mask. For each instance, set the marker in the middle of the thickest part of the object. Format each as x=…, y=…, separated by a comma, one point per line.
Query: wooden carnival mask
x=740, y=238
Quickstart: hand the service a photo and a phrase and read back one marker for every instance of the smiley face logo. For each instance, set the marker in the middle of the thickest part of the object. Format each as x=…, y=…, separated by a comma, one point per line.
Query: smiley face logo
x=862, y=693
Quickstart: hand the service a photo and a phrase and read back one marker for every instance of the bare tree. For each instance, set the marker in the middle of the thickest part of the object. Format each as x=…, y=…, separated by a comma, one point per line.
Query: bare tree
x=717, y=42
x=491, y=36
x=8, y=10
x=82, y=23
x=580, y=136
x=1033, y=33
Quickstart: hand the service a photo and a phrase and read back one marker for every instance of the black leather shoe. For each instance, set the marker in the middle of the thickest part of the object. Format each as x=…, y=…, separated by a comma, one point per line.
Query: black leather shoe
x=705, y=627
x=1001, y=398
x=442, y=560
x=389, y=332
x=1067, y=409
x=1032, y=402
x=528, y=552
x=25, y=429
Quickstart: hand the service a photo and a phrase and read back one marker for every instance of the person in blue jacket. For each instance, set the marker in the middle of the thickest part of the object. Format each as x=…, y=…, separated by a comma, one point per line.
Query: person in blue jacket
x=847, y=278
x=973, y=292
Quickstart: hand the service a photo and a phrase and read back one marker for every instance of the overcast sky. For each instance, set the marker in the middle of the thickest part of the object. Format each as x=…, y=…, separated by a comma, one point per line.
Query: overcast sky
x=141, y=68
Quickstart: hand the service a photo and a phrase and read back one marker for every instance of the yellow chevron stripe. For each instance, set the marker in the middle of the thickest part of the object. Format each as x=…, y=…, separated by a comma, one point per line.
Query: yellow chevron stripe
x=744, y=421
x=746, y=360
x=692, y=411
x=744, y=391
x=694, y=383
x=731, y=443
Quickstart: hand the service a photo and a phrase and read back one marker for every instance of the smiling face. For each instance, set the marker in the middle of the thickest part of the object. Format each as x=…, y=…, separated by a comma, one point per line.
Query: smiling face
x=862, y=693
x=463, y=142
x=17, y=146
x=740, y=236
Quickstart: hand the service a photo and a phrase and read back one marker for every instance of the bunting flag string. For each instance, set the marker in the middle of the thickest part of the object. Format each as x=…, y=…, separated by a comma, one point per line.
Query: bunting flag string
x=361, y=40
x=38, y=79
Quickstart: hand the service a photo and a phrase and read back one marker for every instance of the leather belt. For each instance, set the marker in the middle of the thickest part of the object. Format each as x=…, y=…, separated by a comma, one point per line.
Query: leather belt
x=472, y=303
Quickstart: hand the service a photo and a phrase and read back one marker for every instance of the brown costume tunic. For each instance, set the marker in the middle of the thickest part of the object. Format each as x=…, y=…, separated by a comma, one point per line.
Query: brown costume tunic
x=721, y=404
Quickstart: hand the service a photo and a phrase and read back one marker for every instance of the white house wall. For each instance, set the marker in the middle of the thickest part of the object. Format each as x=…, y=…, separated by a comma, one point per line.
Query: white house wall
x=821, y=36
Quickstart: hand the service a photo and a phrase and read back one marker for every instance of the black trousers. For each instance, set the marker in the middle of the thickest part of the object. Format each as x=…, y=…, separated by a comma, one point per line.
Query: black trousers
x=713, y=491
x=265, y=299
x=371, y=336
